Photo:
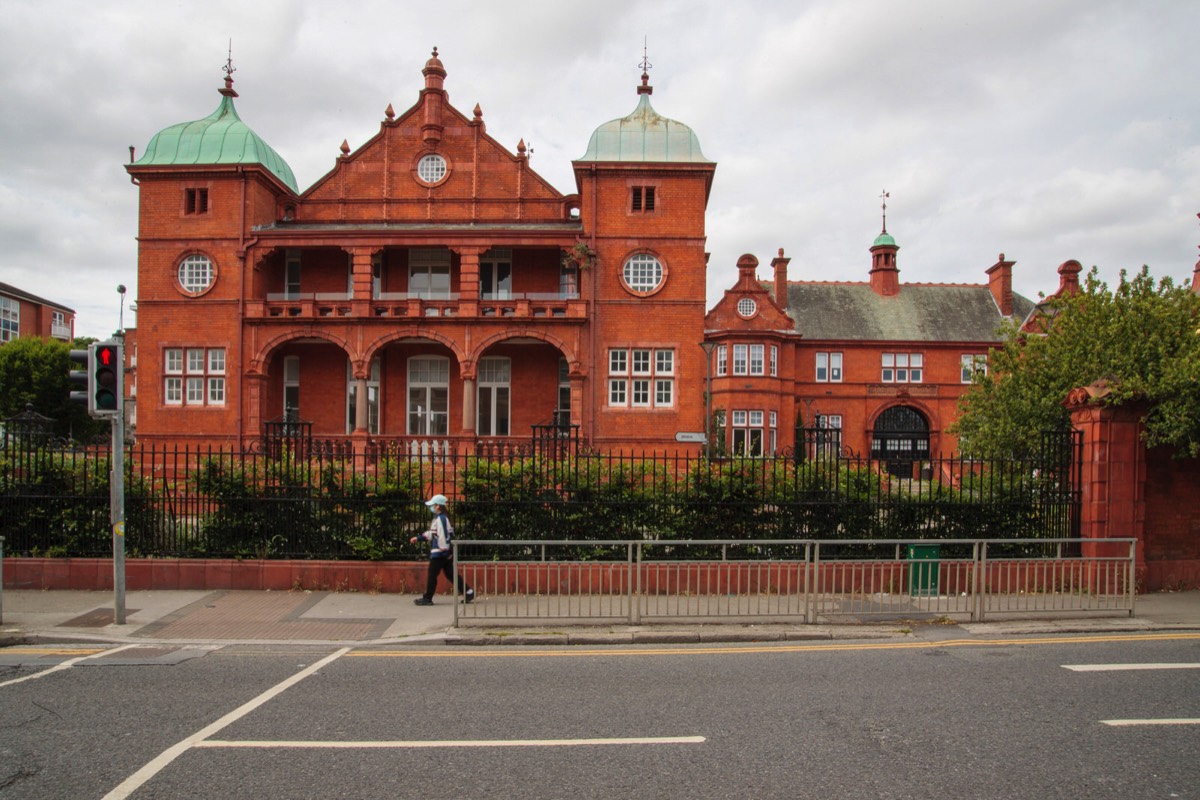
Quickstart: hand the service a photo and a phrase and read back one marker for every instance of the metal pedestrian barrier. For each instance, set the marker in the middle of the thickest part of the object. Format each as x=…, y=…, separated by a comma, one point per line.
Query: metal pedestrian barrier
x=797, y=581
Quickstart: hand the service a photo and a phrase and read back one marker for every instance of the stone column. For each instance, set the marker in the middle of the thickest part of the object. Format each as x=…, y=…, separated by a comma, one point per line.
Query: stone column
x=360, y=405
x=468, y=406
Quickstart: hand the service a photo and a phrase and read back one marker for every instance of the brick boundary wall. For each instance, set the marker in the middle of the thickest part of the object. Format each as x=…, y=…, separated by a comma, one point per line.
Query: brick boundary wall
x=1129, y=490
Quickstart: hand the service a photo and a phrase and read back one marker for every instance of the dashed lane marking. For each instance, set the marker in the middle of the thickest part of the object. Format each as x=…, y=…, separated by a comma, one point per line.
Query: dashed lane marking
x=400, y=745
x=1116, y=723
x=1124, y=667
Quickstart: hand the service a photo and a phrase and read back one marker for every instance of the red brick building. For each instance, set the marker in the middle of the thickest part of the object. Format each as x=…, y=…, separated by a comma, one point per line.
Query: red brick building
x=875, y=366
x=430, y=291
x=24, y=314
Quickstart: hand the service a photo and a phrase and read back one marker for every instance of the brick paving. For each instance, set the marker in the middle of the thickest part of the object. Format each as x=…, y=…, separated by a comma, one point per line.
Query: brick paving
x=259, y=615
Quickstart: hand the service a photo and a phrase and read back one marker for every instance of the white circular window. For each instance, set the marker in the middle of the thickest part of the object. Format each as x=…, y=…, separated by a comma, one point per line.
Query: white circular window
x=747, y=307
x=196, y=274
x=431, y=168
x=643, y=273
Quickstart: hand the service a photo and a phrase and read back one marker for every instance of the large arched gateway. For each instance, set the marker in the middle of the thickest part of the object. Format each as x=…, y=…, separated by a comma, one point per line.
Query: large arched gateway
x=900, y=437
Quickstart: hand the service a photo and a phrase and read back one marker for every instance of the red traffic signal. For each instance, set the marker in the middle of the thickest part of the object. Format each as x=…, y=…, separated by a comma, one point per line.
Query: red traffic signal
x=105, y=389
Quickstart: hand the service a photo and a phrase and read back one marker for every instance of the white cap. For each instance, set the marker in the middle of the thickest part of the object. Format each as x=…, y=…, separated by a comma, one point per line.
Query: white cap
x=437, y=500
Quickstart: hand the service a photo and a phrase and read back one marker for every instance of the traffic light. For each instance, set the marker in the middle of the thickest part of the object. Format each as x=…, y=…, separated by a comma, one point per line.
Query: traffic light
x=80, y=376
x=105, y=390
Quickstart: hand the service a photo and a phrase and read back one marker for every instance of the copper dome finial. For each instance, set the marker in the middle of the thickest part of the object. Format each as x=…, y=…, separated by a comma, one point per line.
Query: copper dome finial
x=646, y=66
x=229, y=69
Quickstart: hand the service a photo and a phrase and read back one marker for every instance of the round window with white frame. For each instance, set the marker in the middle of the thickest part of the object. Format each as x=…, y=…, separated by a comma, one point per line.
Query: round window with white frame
x=432, y=169
x=746, y=307
x=196, y=274
x=643, y=274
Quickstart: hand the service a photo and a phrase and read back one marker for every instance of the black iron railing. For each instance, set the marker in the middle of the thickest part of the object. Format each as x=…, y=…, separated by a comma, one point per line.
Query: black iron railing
x=307, y=501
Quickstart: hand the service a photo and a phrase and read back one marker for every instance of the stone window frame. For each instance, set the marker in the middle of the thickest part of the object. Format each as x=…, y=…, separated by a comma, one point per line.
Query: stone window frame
x=430, y=157
x=184, y=275
x=637, y=287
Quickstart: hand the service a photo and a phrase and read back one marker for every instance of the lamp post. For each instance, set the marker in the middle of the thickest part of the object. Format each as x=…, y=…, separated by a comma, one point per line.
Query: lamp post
x=708, y=348
x=121, y=318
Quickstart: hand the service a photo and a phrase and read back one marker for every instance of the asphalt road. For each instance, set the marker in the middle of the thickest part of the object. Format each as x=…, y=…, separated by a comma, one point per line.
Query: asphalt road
x=951, y=718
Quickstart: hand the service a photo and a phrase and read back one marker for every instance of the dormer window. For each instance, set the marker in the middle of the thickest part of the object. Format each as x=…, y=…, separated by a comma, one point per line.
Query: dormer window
x=195, y=201
x=643, y=199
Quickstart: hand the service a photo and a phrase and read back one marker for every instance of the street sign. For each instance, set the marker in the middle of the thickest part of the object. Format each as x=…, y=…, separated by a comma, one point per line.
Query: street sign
x=685, y=436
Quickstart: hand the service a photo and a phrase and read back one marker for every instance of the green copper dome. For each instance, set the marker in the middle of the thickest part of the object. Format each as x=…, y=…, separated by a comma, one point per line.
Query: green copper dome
x=219, y=138
x=644, y=135
x=884, y=238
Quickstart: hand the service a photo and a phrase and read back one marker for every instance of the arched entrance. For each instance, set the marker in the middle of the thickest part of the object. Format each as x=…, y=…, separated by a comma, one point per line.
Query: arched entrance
x=900, y=437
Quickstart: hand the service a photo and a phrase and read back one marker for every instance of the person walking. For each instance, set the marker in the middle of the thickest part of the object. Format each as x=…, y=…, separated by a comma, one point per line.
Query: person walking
x=441, y=557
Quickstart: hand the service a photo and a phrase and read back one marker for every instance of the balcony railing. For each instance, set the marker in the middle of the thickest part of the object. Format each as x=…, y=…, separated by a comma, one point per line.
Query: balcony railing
x=60, y=330
x=520, y=305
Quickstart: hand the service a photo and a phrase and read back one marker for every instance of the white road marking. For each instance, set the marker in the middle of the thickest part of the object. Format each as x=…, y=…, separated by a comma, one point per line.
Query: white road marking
x=1126, y=722
x=1122, y=667
x=456, y=743
x=68, y=664
x=135, y=781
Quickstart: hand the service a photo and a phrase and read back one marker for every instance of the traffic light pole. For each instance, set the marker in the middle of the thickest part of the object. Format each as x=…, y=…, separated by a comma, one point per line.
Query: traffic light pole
x=116, y=485
x=101, y=385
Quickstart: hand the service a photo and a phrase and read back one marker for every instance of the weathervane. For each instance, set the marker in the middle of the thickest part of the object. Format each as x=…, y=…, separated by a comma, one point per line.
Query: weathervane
x=229, y=69
x=884, y=196
x=645, y=88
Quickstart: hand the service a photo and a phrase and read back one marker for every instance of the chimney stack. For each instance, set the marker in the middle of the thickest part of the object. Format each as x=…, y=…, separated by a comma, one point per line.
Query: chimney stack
x=1068, y=278
x=1000, y=282
x=781, y=279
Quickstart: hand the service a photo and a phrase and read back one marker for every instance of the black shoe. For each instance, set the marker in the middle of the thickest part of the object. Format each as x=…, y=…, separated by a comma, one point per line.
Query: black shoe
x=422, y=601
x=469, y=597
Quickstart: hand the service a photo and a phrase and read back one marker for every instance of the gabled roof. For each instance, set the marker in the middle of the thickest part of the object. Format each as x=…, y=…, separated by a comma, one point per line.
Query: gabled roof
x=920, y=312
x=20, y=294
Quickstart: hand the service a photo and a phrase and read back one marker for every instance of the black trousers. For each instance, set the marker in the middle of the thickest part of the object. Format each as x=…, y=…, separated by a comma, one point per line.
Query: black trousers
x=442, y=564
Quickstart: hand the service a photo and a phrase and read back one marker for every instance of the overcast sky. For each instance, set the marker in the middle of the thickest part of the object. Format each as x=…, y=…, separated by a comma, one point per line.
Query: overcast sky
x=1044, y=130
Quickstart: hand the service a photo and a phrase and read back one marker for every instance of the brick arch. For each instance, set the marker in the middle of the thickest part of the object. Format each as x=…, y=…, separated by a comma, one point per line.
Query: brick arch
x=930, y=432
x=496, y=338
x=911, y=402
x=259, y=360
x=372, y=349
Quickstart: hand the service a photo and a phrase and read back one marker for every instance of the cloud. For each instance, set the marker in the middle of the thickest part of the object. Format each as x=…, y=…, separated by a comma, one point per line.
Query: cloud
x=1045, y=130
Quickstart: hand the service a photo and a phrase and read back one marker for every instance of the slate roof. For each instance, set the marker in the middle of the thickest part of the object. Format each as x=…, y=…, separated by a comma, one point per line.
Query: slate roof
x=21, y=294
x=853, y=311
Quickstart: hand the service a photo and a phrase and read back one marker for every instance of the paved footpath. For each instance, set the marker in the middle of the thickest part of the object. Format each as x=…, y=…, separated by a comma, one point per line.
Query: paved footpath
x=305, y=617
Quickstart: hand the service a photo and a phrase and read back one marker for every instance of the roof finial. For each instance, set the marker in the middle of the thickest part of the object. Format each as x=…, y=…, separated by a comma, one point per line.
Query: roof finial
x=229, y=69
x=884, y=196
x=645, y=88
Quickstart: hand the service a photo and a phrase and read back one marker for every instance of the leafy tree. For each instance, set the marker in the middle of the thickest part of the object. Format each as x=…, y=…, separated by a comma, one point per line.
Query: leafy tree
x=1141, y=338
x=33, y=373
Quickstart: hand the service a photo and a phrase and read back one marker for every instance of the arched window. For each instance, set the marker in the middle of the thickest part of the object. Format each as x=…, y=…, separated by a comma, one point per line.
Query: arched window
x=900, y=436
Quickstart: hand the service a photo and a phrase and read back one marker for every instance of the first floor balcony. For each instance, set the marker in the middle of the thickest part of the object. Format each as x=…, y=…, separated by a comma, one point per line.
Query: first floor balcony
x=404, y=305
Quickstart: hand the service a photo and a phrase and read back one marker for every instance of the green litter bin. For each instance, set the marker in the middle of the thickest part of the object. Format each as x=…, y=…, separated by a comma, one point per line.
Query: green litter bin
x=923, y=569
